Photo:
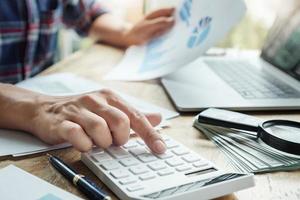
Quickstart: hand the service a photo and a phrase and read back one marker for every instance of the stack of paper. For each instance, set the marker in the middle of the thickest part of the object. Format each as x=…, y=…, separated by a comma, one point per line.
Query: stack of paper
x=246, y=153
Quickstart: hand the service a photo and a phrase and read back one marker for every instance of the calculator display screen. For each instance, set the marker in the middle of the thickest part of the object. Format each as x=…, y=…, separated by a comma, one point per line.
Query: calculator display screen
x=196, y=173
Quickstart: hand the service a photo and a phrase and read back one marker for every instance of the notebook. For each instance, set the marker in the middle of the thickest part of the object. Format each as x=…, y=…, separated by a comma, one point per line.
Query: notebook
x=28, y=186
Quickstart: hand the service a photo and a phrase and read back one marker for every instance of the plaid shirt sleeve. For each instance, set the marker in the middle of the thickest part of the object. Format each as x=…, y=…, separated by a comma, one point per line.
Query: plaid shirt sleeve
x=80, y=14
x=29, y=32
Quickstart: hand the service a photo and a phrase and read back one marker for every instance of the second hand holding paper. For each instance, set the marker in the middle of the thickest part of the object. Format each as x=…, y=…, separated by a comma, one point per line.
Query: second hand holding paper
x=199, y=25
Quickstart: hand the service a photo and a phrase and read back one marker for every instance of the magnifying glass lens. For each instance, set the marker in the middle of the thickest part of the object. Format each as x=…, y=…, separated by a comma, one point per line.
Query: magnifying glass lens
x=288, y=133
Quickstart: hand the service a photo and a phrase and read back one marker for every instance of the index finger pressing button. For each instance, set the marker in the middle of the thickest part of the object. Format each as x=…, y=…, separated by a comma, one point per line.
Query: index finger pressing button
x=140, y=124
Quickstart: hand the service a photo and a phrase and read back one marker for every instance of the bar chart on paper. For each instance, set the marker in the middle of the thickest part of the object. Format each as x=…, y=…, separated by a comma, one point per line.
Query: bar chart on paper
x=185, y=11
x=155, y=51
x=200, y=32
x=198, y=26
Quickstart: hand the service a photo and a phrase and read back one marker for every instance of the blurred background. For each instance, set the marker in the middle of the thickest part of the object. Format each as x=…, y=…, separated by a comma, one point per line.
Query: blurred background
x=249, y=34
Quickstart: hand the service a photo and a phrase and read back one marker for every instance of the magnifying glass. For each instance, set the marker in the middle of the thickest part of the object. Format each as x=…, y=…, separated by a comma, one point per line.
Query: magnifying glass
x=283, y=135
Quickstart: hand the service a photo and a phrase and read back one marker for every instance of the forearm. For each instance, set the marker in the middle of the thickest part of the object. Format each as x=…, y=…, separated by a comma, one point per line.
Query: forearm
x=110, y=29
x=16, y=107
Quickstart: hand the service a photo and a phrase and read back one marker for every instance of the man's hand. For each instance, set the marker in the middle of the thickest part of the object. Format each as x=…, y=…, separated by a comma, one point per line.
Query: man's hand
x=112, y=30
x=153, y=25
x=101, y=118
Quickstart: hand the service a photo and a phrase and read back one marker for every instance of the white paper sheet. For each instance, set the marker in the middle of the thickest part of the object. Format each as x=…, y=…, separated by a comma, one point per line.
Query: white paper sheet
x=199, y=25
x=62, y=84
x=18, y=143
x=16, y=184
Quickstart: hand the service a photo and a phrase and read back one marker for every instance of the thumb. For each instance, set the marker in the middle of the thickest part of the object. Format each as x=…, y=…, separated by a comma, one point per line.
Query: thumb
x=164, y=12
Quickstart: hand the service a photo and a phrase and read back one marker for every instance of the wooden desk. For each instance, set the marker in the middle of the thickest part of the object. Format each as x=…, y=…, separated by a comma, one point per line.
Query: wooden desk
x=93, y=63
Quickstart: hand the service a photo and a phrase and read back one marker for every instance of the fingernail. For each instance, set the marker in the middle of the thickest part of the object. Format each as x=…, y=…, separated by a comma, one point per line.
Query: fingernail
x=159, y=146
x=171, y=19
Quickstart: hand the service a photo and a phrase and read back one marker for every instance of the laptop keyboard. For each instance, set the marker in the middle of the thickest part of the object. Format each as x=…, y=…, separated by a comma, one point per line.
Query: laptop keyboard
x=250, y=82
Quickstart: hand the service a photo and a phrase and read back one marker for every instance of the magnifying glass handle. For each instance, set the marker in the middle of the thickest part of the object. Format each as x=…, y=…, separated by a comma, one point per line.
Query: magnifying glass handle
x=228, y=119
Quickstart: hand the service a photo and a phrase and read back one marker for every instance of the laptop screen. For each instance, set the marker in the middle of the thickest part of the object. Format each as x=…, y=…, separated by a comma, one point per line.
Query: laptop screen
x=282, y=47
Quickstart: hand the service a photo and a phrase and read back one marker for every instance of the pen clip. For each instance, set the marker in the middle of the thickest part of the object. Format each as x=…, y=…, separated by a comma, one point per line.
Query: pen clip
x=76, y=178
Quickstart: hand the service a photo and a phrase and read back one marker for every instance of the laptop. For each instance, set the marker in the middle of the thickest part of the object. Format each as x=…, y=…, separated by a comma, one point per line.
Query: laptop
x=247, y=82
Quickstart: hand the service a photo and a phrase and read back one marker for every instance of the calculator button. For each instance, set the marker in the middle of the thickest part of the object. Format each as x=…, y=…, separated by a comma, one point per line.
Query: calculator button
x=147, y=157
x=130, y=144
x=128, y=180
x=200, y=164
x=110, y=165
x=173, y=162
x=171, y=144
x=120, y=173
x=165, y=155
x=96, y=150
x=138, y=169
x=180, y=151
x=147, y=176
x=165, y=172
x=158, y=165
x=190, y=158
x=134, y=188
x=100, y=157
x=128, y=162
x=141, y=142
x=118, y=152
x=138, y=151
x=183, y=168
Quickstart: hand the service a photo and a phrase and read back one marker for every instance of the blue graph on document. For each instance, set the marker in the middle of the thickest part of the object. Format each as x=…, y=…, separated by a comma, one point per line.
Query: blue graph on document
x=185, y=11
x=200, y=32
x=153, y=55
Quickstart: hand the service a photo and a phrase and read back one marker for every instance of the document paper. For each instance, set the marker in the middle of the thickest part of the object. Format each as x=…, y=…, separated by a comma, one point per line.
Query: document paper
x=199, y=25
x=16, y=184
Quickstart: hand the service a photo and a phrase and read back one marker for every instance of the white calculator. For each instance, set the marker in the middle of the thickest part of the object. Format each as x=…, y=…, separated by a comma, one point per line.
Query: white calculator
x=133, y=172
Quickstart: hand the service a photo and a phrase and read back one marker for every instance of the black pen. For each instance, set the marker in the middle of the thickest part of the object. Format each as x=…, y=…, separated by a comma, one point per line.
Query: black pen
x=86, y=186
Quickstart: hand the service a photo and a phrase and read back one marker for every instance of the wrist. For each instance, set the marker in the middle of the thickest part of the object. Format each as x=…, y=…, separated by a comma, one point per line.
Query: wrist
x=125, y=35
x=29, y=111
x=18, y=108
x=109, y=29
